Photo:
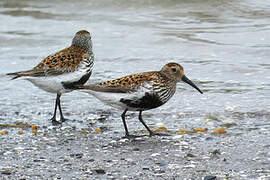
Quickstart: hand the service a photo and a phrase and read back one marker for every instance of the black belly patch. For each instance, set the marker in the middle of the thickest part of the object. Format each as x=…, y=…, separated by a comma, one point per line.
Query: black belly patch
x=71, y=85
x=148, y=101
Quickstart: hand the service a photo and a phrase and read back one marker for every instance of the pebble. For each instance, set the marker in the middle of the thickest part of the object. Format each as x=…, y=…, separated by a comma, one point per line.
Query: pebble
x=183, y=143
x=177, y=137
x=146, y=168
x=100, y=171
x=123, y=140
x=78, y=155
x=6, y=171
x=216, y=152
x=174, y=166
x=66, y=128
x=155, y=154
x=49, y=139
x=209, y=138
x=19, y=149
x=136, y=149
x=190, y=166
x=209, y=178
x=190, y=155
x=113, y=142
x=163, y=164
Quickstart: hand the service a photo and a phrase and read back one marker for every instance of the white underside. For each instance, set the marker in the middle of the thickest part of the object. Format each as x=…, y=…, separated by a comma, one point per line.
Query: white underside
x=113, y=99
x=53, y=84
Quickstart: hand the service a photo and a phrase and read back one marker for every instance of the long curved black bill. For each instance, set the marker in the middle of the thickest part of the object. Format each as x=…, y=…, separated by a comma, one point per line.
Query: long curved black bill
x=186, y=80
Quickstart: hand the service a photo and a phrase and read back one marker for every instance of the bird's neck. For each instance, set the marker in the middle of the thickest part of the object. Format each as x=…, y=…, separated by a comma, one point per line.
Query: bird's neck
x=87, y=45
x=167, y=78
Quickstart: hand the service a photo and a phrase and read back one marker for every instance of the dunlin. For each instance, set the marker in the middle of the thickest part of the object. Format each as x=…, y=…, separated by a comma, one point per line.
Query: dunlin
x=73, y=64
x=139, y=92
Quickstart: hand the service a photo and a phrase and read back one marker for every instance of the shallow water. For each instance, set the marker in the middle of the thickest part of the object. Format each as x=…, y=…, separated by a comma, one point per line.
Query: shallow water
x=223, y=46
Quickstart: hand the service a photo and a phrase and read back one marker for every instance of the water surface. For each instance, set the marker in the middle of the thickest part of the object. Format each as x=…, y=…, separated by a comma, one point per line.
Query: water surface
x=223, y=46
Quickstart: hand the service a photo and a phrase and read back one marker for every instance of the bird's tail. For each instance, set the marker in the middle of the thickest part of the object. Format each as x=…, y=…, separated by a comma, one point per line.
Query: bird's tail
x=16, y=75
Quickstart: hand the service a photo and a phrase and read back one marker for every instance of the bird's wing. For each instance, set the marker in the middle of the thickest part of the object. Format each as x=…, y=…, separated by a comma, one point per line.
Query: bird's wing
x=64, y=61
x=126, y=84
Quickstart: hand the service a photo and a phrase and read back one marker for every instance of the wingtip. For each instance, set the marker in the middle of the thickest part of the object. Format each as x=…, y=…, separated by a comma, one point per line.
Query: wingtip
x=15, y=75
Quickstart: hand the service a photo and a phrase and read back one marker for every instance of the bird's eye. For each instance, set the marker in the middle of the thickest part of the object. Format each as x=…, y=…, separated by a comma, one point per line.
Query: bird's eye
x=174, y=69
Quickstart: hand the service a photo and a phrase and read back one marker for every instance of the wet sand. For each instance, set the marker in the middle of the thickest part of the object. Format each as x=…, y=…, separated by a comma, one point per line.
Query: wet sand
x=224, y=48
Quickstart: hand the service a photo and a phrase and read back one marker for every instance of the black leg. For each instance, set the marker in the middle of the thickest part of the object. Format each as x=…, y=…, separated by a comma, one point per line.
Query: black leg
x=62, y=119
x=148, y=129
x=53, y=119
x=57, y=102
x=124, y=122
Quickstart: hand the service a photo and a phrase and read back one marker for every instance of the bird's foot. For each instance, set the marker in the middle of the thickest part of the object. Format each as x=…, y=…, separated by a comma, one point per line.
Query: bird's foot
x=63, y=119
x=55, y=122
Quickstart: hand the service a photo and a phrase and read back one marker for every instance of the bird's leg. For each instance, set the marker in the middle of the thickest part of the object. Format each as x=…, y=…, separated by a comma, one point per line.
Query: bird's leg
x=123, y=115
x=141, y=120
x=53, y=119
x=62, y=119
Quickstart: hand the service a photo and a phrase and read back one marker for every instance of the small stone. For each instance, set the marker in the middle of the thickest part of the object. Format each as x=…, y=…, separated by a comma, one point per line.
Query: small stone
x=200, y=129
x=79, y=155
x=138, y=138
x=216, y=152
x=6, y=171
x=104, y=128
x=5, y=131
x=100, y=171
x=113, y=142
x=101, y=119
x=91, y=160
x=162, y=128
x=159, y=171
x=163, y=164
x=123, y=140
x=19, y=149
x=84, y=131
x=174, y=166
x=183, y=143
x=219, y=131
x=145, y=168
x=155, y=154
x=210, y=177
x=190, y=166
x=66, y=128
x=20, y=132
x=177, y=137
x=209, y=138
x=38, y=160
x=97, y=130
x=190, y=155
x=212, y=117
x=228, y=125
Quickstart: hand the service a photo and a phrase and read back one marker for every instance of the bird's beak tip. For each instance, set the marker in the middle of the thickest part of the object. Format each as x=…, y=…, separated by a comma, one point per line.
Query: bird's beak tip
x=186, y=80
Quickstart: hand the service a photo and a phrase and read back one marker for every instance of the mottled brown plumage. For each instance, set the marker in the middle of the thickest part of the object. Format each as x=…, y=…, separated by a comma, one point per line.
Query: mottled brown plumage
x=140, y=92
x=65, y=61
x=73, y=65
